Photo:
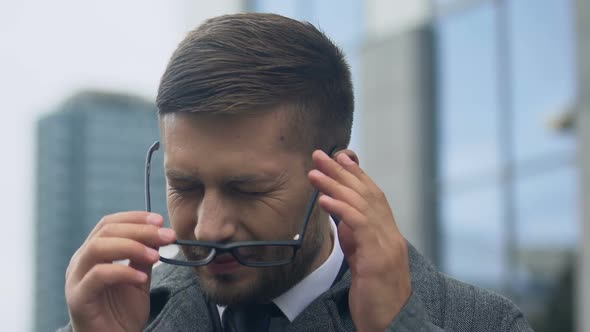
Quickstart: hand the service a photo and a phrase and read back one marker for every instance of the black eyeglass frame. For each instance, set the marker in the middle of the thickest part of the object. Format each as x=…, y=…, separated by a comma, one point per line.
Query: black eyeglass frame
x=220, y=248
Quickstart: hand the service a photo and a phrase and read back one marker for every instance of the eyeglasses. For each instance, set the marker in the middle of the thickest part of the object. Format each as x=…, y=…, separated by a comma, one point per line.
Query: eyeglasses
x=248, y=253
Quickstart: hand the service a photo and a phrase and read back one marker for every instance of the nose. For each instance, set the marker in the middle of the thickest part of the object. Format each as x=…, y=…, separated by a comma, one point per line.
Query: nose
x=214, y=219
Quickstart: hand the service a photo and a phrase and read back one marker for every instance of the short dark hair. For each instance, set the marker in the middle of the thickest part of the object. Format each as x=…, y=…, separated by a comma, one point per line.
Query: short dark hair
x=245, y=62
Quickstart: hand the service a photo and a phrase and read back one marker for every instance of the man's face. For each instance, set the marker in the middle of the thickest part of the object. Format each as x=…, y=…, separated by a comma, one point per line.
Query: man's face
x=233, y=178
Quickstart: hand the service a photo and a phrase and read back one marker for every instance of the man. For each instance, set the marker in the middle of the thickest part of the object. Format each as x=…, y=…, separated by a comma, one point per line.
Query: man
x=255, y=114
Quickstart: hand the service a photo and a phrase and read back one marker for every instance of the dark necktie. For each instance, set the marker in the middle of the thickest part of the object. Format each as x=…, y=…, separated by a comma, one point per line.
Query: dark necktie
x=254, y=318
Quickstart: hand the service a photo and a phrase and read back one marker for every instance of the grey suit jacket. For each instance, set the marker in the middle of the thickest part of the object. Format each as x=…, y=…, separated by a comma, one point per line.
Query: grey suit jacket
x=438, y=303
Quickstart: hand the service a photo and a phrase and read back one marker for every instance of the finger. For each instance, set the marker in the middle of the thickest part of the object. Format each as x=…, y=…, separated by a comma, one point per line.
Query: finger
x=102, y=276
x=350, y=165
x=334, y=170
x=106, y=250
x=145, y=268
x=331, y=187
x=150, y=235
x=344, y=212
x=132, y=217
x=129, y=217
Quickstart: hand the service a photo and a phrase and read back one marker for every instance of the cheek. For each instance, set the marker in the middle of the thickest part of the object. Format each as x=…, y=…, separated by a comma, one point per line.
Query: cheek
x=182, y=214
x=279, y=221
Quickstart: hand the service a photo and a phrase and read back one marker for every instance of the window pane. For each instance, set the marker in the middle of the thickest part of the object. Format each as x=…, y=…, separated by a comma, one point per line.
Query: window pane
x=543, y=73
x=445, y=2
x=473, y=241
x=548, y=210
x=345, y=28
x=468, y=95
x=287, y=8
x=547, y=232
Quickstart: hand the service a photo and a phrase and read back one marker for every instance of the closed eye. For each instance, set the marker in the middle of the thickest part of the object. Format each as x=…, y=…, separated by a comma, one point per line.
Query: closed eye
x=250, y=193
x=185, y=189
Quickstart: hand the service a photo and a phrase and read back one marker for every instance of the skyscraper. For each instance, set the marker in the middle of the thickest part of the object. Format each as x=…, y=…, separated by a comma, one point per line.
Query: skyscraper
x=91, y=155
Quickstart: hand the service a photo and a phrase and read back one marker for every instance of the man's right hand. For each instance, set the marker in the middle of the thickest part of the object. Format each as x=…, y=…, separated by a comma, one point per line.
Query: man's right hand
x=107, y=296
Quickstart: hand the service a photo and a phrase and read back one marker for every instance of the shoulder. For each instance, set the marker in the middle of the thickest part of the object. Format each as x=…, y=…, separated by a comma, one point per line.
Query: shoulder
x=453, y=304
x=487, y=310
x=176, y=300
x=172, y=277
x=170, y=282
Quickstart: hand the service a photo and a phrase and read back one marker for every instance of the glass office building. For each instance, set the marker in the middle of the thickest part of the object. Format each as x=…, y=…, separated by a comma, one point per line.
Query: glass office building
x=90, y=163
x=472, y=99
x=509, y=198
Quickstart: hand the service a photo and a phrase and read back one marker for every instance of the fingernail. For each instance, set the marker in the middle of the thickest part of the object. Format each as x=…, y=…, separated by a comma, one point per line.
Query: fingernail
x=322, y=154
x=154, y=219
x=141, y=277
x=166, y=234
x=154, y=254
x=346, y=159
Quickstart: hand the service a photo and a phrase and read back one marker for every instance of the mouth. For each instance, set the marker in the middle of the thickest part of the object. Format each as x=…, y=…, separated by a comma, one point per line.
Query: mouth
x=223, y=264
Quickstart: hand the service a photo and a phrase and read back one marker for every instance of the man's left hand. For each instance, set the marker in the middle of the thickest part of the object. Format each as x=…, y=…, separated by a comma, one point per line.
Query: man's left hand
x=376, y=251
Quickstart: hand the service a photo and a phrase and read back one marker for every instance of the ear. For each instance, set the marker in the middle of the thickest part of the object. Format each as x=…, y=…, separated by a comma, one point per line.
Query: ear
x=351, y=154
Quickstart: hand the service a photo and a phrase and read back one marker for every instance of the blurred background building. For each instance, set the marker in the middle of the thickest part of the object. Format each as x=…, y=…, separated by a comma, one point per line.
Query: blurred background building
x=91, y=153
x=466, y=113
x=472, y=115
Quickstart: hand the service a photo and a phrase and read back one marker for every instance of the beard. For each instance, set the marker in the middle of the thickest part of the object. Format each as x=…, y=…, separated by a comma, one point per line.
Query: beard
x=266, y=283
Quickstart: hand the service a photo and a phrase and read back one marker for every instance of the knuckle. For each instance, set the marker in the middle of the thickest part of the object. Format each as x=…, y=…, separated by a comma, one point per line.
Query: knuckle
x=135, y=248
x=364, y=192
x=73, y=262
x=400, y=247
x=340, y=171
x=98, y=272
x=358, y=169
x=68, y=272
x=104, y=220
x=92, y=247
x=363, y=206
x=363, y=221
x=148, y=233
x=107, y=230
x=376, y=194
x=76, y=255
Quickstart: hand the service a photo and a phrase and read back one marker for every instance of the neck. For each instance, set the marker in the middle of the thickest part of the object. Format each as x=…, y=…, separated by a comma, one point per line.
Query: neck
x=327, y=245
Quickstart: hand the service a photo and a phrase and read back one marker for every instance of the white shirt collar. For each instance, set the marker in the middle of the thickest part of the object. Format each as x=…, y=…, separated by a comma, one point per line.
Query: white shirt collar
x=298, y=297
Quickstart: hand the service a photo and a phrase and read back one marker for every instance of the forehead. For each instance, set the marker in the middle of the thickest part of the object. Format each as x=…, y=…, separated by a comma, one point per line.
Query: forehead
x=270, y=127
x=191, y=139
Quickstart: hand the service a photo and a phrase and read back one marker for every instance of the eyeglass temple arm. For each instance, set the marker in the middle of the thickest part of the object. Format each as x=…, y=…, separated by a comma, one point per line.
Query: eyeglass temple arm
x=312, y=203
x=148, y=165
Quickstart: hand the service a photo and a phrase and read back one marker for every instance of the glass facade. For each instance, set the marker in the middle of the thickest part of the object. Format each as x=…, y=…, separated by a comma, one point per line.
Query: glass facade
x=509, y=189
x=90, y=163
x=509, y=200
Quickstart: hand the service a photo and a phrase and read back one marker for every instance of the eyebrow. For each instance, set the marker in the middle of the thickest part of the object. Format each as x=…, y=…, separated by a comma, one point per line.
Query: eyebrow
x=180, y=176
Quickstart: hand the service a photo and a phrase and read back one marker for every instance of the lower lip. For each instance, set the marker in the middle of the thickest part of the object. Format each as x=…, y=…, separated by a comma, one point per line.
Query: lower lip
x=223, y=268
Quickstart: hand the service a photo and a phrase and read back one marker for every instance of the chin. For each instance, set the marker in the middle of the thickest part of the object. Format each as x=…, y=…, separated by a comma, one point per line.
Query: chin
x=253, y=285
x=229, y=289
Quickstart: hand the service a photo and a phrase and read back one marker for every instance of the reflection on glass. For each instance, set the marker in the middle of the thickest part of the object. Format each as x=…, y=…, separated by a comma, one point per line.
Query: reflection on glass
x=473, y=240
x=475, y=217
x=468, y=94
x=543, y=72
x=548, y=211
x=547, y=237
